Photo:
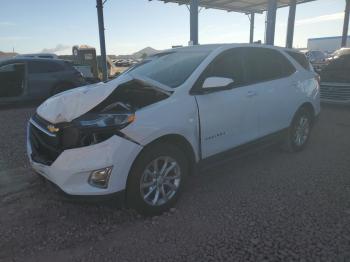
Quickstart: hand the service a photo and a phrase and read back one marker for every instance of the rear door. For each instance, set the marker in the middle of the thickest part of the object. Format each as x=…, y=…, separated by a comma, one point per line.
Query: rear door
x=272, y=76
x=42, y=76
x=228, y=118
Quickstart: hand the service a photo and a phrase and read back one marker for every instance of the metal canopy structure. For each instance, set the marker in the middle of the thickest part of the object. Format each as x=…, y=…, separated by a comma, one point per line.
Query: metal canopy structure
x=241, y=6
x=249, y=7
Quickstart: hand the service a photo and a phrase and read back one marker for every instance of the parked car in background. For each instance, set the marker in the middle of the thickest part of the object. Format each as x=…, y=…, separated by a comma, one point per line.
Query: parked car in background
x=318, y=59
x=335, y=80
x=340, y=52
x=29, y=79
x=144, y=132
x=38, y=55
x=125, y=62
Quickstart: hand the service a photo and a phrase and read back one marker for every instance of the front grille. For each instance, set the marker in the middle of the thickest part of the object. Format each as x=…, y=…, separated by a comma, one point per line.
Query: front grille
x=45, y=148
x=338, y=92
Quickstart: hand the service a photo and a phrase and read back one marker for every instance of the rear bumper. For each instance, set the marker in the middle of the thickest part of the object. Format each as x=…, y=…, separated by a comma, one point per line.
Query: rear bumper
x=71, y=170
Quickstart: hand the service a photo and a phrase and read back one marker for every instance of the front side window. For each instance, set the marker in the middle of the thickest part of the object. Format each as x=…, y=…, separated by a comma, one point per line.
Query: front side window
x=12, y=77
x=8, y=68
x=336, y=64
x=41, y=67
x=228, y=65
x=264, y=64
x=172, y=68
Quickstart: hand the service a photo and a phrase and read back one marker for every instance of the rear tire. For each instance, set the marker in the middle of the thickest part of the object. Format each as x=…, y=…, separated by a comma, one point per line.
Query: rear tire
x=298, y=133
x=156, y=179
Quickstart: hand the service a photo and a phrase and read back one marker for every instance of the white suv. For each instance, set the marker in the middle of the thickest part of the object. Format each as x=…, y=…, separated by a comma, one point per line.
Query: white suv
x=144, y=132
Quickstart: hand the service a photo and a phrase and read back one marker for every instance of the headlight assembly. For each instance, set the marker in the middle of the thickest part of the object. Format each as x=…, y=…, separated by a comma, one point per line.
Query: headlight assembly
x=105, y=120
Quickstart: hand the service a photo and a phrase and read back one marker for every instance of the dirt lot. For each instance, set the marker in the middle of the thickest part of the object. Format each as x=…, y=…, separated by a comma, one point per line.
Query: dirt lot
x=268, y=206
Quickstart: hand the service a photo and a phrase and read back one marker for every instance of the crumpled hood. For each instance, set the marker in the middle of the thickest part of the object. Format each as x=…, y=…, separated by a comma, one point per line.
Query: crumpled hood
x=66, y=106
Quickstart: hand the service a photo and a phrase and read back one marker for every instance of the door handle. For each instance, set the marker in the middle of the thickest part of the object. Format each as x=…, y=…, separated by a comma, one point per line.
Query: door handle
x=251, y=93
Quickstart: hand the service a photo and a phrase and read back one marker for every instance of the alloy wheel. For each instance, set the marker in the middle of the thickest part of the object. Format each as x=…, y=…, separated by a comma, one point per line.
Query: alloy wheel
x=302, y=131
x=160, y=181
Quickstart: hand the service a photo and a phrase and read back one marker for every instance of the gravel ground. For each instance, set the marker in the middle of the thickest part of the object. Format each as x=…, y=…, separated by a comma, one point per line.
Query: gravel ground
x=267, y=206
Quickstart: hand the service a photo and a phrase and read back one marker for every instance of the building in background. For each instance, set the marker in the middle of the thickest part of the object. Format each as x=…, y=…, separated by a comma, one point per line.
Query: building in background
x=326, y=44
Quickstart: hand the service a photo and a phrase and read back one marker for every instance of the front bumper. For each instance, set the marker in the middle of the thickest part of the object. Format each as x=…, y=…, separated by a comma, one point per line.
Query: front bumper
x=71, y=170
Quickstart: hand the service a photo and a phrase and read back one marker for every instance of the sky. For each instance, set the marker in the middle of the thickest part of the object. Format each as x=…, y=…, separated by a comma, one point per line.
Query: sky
x=29, y=26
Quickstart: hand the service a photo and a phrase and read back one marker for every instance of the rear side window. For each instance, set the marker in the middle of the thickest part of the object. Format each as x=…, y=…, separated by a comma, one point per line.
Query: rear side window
x=40, y=67
x=300, y=58
x=264, y=64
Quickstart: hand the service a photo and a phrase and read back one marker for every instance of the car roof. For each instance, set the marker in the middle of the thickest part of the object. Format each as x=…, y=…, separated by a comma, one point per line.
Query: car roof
x=213, y=47
x=26, y=59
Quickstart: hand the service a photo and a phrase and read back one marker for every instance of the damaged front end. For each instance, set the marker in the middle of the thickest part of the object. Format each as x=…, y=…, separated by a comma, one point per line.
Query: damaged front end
x=118, y=110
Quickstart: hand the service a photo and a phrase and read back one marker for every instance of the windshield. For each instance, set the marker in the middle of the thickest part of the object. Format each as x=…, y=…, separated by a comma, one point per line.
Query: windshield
x=171, y=68
x=318, y=55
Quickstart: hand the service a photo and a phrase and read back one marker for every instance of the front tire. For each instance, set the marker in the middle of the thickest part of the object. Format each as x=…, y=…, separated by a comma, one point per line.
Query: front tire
x=156, y=179
x=299, y=132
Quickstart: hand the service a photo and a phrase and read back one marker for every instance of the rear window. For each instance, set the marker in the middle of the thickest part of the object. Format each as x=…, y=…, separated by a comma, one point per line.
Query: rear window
x=41, y=67
x=300, y=58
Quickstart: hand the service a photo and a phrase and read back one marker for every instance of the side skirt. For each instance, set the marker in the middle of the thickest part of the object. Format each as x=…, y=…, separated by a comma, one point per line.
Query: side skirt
x=242, y=150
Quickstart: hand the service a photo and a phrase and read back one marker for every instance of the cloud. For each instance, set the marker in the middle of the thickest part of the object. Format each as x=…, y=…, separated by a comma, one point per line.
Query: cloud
x=58, y=48
x=321, y=18
x=4, y=23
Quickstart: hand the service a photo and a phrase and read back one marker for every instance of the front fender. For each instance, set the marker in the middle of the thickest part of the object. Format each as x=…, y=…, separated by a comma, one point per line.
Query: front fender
x=173, y=116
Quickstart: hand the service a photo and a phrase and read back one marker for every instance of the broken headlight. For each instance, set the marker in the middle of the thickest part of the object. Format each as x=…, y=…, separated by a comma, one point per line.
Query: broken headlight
x=106, y=120
x=94, y=128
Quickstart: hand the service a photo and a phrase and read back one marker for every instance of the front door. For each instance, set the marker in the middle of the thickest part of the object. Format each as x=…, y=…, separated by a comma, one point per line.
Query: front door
x=228, y=118
x=12, y=81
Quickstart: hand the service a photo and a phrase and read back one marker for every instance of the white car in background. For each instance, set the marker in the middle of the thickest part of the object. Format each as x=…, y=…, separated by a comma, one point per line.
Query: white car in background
x=144, y=132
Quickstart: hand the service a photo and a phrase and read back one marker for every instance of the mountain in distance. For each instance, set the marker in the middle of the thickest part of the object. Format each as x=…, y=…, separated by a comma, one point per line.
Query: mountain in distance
x=139, y=54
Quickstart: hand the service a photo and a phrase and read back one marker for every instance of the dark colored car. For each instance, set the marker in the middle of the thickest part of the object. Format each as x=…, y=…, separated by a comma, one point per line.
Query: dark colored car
x=35, y=79
x=338, y=70
x=335, y=81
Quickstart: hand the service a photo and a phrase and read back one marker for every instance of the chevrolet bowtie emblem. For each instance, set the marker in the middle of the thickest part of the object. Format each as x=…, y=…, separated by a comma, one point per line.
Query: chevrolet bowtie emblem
x=53, y=129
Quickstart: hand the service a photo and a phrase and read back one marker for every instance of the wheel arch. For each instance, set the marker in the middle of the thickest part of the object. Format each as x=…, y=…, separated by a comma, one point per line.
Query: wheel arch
x=178, y=141
x=307, y=106
x=310, y=108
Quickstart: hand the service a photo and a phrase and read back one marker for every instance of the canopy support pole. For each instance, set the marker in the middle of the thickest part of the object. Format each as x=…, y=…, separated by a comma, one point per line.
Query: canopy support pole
x=101, y=28
x=346, y=24
x=291, y=23
x=271, y=22
x=251, y=36
x=194, y=22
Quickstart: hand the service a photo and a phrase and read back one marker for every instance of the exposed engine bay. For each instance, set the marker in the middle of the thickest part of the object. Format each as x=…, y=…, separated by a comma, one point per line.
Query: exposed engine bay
x=133, y=95
x=100, y=123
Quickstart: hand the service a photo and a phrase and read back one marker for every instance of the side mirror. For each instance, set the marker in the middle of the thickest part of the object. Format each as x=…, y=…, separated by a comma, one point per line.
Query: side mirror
x=217, y=82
